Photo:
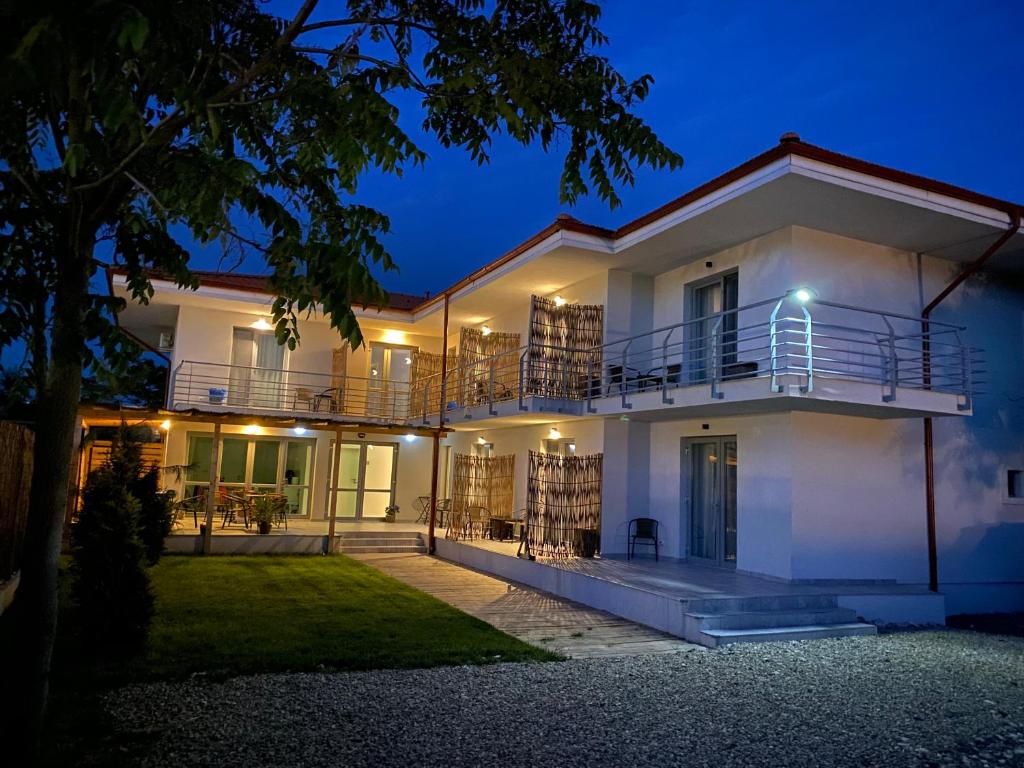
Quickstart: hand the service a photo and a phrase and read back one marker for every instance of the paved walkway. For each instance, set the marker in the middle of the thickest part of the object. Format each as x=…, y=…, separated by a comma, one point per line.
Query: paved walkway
x=564, y=627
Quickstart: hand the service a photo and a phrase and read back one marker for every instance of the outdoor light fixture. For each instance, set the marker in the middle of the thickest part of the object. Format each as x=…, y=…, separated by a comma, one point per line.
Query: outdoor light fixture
x=165, y=424
x=251, y=429
x=408, y=361
x=803, y=295
x=554, y=434
x=486, y=330
x=559, y=301
x=261, y=325
x=394, y=337
x=299, y=430
x=410, y=438
x=481, y=441
x=373, y=371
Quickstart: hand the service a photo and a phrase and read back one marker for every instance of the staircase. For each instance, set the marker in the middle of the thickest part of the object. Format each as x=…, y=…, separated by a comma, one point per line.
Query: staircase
x=370, y=542
x=714, y=622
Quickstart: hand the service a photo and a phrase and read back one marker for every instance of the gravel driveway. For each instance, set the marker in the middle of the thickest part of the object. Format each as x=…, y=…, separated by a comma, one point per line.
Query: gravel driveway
x=921, y=698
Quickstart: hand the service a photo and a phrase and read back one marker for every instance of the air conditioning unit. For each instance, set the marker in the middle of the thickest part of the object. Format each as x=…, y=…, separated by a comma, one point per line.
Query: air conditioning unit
x=166, y=340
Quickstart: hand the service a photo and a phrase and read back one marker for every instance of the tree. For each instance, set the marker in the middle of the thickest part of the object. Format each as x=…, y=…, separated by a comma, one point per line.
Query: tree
x=125, y=123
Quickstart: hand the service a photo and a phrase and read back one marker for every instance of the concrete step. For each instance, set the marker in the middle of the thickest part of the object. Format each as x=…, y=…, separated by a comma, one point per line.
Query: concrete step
x=340, y=532
x=381, y=541
x=781, y=618
x=718, y=637
x=717, y=605
x=362, y=549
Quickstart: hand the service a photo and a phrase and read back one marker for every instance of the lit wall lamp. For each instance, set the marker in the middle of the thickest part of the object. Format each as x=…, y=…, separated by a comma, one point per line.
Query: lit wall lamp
x=261, y=325
x=299, y=430
x=481, y=441
x=559, y=301
x=251, y=429
x=554, y=434
x=804, y=295
x=165, y=425
x=486, y=330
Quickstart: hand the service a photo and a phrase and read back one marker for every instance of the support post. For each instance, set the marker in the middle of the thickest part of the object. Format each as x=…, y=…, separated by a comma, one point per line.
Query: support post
x=435, y=459
x=211, y=496
x=332, y=503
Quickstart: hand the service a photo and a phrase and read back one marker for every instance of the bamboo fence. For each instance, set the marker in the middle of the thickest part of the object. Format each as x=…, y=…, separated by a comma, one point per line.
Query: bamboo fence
x=563, y=505
x=16, y=443
x=564, y=353
x=483, y=356
x=486, y=482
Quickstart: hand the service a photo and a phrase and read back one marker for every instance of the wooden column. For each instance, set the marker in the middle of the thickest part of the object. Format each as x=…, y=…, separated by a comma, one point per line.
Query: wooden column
x=332, y=503
x=435, y=459
x=211, y=497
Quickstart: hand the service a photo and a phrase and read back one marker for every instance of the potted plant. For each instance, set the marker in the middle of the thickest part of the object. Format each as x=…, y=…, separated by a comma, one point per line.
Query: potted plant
x=390, y=513
x=263, y=513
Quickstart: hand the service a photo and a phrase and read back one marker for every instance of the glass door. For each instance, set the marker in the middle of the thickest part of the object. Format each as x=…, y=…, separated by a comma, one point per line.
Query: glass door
x=366, y=480
x=389, y=380
x=257, y=378
x=711, y=303
x=709, y=467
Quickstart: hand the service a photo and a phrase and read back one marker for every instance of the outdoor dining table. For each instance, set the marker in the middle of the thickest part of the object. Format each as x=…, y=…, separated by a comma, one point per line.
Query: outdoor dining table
x=504, y=528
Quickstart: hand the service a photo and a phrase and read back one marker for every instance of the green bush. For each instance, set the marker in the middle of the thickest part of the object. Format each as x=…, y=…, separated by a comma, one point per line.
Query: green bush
x=156, y=512
x=111, y=590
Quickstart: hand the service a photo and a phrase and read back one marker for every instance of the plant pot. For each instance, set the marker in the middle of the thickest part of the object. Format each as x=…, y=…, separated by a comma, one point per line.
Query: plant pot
x=263, y=526
x=202, y=529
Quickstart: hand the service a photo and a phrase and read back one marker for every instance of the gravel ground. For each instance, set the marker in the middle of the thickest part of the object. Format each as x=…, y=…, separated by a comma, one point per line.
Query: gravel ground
x=933, y=698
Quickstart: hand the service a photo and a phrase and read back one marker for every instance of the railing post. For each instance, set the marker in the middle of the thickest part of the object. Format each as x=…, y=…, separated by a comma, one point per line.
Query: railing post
x=965, y=374
x=490, y=391
x=522, y=371
x=773, y=345
x=172, y=386
x=622, y=376
x=590, y=385
x=664, y=369
x=809, y=339
x=893, y=364
x=716, y=358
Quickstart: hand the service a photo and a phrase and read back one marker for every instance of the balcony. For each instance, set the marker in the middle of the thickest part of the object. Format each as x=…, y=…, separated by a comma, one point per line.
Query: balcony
x=771, y=355
x=222, y=388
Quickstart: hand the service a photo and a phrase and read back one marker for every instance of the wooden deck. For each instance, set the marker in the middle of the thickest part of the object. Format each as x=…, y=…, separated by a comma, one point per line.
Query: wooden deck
x=550, y=622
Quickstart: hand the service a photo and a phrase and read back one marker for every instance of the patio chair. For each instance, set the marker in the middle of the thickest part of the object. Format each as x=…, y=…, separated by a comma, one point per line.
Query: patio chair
x=231, y=506
x=444, y=509
x=476, y=519
x=644, y=530
x=331, y=396
x=279, y=505
x=305, y=396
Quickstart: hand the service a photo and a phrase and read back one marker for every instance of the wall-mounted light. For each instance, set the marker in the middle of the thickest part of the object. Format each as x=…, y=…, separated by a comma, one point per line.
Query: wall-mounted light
x=165, y=424
x=299, y=430
x=481, y=441
x=408, y=360
x=251, y=429
x=554, y=434
x=373, y=371
x=394, y=337
x=486, y=330
x=261, y=325
x=559, y=301
x=804, y=295
x=410, y=438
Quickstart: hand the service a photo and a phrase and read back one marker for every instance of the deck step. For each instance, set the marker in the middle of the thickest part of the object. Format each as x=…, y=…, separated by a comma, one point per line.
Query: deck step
x=793, y=617
x=363, y=549
x=718, y=637
x=380, y=541
x=760, y=603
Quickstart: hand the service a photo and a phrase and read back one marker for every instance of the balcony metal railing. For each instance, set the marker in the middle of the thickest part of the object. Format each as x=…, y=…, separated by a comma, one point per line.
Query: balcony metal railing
x=245, y=389
x=781, y=340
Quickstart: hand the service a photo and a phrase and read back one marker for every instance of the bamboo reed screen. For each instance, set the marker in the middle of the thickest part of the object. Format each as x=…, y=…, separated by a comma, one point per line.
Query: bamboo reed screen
x=16, y=446
x=563, y=503
x=481, y=481
x=564, y=354
x=426, y=379
x=479, y=355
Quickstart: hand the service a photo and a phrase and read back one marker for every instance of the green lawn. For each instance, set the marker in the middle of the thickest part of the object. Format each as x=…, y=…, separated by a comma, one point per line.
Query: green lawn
x=238, y=615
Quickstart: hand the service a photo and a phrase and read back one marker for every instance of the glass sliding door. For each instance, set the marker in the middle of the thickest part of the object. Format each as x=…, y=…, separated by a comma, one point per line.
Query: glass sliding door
x=710, y=304
x=709, y=469
x=257, y=378
x=366, y=480
x=256, y=464
x=388, y=383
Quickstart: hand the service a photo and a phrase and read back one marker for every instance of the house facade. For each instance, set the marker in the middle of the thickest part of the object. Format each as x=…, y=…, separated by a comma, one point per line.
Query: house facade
x=750, y=362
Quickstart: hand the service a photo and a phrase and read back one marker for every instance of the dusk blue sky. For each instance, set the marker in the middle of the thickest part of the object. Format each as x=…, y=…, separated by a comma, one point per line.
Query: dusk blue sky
x=932, y=88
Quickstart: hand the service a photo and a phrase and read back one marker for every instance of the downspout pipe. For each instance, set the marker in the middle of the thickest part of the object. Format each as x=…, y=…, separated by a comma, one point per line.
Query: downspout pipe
x=929, y=438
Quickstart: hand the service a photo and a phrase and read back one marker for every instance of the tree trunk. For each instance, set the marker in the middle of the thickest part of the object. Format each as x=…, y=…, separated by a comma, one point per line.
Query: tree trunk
x=35, y=607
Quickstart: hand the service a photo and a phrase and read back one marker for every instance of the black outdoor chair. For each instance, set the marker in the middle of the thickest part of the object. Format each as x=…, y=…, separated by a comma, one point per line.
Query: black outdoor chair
x=644, y=530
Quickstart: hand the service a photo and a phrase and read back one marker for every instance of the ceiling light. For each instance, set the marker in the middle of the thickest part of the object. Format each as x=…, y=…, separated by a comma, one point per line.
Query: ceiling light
x=299, y=430
x=251, y=429
x=559, y=301
x=261, y=325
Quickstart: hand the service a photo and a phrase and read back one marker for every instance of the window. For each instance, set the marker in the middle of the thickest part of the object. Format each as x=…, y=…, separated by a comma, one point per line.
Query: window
x=484, y=449
x=563, y=446
x=1015, y=485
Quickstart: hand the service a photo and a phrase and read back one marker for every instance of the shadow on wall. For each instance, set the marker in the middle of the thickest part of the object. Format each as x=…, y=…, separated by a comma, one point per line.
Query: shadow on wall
x=998, y=547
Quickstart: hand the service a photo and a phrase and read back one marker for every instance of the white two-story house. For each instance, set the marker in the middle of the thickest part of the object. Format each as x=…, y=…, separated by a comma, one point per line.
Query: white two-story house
x=751, y=362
